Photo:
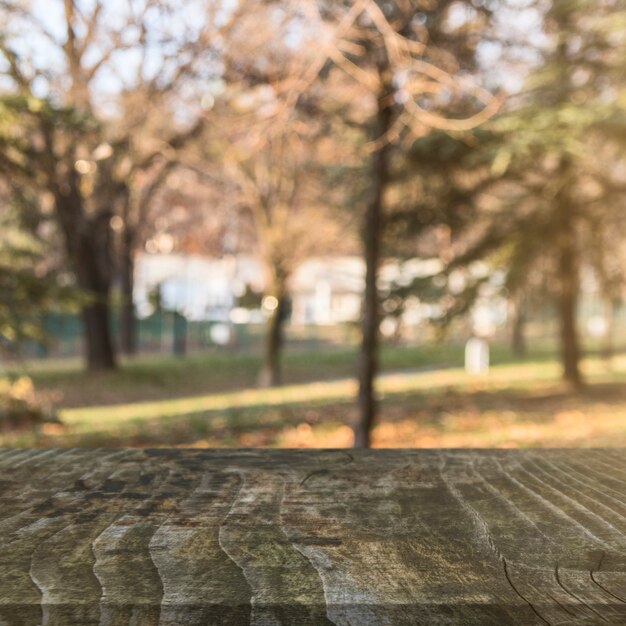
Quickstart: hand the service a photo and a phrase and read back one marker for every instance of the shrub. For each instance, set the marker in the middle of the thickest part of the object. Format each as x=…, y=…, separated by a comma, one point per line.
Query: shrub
x=21, y=406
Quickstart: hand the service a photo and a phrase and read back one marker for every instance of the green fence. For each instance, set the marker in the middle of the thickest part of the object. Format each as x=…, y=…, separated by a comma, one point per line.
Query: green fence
x=163, y=332
x=166, y=332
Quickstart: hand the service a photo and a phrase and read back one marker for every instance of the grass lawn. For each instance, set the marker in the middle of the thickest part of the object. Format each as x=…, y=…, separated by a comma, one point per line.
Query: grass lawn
x=165, y=377
x=210, y=401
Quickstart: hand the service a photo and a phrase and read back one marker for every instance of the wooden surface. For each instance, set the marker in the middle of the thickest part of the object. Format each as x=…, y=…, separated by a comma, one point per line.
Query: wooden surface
x=190, y=537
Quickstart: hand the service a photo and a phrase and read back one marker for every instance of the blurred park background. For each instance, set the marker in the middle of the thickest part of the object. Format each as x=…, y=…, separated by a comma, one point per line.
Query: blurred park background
x=312, y=223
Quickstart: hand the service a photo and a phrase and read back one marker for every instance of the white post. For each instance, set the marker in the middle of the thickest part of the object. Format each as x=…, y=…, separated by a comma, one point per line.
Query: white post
x=477, y=356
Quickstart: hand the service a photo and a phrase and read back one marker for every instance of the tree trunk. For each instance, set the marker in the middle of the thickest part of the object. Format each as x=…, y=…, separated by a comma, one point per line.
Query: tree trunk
x=99, y=351
x=98, y=345
x=568, y=279
x=518, y=337
x=128, y=324
x=179, y=346
x=87, y=242
x=372, y=234
x=271, y=374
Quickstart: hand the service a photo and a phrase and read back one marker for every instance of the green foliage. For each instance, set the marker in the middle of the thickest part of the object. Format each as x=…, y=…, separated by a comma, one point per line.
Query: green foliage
x=155, y=297
x=555, y=156
x=27, y=289
x=24, y=108
x=250, y=299
x=27, y=126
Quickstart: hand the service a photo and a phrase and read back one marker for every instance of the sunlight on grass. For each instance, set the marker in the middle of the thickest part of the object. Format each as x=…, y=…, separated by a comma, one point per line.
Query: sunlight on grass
x=345, y=390
x=516, y=404
x=94, y=416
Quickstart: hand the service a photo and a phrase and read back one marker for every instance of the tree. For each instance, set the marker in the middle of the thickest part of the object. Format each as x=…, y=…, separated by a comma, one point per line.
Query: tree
x=114, y=82
x=271, y=155
x=383, y=49
x=547, y=205
x=558, y=191
x=31, y=148
x=278, y=187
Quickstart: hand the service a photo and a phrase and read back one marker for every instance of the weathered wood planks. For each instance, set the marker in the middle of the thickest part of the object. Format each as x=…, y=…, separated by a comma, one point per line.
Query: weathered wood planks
x=188, y=537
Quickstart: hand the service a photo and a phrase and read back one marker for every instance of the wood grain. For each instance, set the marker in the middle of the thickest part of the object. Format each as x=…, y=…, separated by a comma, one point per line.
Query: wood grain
x=203, y=537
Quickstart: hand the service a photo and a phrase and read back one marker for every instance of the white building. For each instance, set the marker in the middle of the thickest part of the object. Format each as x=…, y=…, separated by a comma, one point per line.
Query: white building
x=327, y=290
x=324, y=291
x=200, y=288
